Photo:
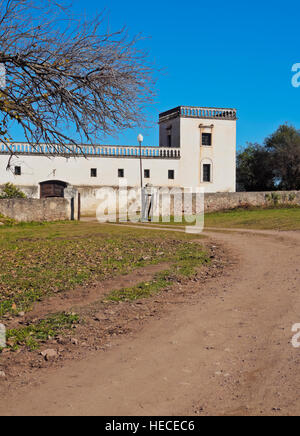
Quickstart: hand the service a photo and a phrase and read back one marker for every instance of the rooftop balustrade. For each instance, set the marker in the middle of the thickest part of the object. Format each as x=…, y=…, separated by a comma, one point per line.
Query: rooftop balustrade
x=92, y=151
x=199, y=112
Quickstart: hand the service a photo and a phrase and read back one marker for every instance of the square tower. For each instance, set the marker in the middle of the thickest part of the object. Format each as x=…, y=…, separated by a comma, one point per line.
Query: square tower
x=207, y=141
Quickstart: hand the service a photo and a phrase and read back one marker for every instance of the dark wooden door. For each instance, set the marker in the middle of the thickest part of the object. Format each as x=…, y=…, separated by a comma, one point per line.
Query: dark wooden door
x=53, y=188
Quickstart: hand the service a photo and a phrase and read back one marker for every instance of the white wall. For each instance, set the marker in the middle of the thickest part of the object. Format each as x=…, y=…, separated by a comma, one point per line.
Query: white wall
x=76, y=171
x=186, y=133
x=222, y=154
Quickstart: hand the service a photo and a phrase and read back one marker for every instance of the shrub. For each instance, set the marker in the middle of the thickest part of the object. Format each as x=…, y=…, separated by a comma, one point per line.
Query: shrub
x=273, y=198
x=268, y=197
x=4, y=220
x=11, y=191
x=276, y=198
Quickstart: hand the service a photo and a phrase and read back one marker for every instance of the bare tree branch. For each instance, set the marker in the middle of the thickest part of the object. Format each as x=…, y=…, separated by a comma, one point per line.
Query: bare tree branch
x=64, y=75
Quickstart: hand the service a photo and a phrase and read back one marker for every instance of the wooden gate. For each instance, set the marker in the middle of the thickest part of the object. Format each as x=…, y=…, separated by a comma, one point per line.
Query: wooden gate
x=52, y=188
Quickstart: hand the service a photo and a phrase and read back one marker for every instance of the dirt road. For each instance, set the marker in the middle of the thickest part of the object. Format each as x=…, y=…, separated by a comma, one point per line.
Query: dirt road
x=228, y=353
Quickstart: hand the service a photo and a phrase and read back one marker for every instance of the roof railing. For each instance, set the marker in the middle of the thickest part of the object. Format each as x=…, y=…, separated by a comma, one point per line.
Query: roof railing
x=91, y=151
x=199, y=112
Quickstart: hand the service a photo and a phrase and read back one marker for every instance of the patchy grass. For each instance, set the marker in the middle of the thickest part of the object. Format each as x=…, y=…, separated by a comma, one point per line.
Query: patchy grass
x=187, y=260
x=38, y=260
x=143, y=290
x=263, y=219
x=31, y=336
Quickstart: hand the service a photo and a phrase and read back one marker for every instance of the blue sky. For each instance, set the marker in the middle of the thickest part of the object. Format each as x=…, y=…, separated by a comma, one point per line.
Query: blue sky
x=220, y=53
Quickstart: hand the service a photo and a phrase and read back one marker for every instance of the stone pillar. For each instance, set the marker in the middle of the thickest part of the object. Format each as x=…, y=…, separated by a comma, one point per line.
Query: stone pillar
x=71, y=194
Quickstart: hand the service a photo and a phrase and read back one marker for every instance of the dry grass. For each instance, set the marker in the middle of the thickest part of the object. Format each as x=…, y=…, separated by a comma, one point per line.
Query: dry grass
x=39, y=260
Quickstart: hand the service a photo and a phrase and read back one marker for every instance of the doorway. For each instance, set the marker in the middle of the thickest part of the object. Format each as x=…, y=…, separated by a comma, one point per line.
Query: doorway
x=52, y=188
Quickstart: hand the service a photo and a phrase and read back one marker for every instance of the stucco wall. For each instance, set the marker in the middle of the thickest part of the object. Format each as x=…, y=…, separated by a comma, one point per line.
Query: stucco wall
x=27, y=210
x=77, y=171
x=221, y=154
x=186, y=132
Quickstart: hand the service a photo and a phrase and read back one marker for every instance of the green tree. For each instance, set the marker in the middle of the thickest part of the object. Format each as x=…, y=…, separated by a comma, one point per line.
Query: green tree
x=284, y=149
x=11, y=191
x=254, y=169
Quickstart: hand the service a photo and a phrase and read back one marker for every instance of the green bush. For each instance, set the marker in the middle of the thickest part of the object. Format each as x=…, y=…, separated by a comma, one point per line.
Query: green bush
x=4, y=220
x=274, y=198
x=11, y=191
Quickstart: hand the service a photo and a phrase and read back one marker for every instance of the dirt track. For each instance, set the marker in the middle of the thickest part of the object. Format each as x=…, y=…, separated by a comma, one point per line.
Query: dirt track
x=228, y=353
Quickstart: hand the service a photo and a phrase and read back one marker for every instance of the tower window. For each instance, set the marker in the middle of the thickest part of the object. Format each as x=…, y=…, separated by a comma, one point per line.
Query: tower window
x=120, y=173
x=18, y=171
x=206, y=139
x=171, y=174
x=206, y=173
x=147, y=174
x=93, y=172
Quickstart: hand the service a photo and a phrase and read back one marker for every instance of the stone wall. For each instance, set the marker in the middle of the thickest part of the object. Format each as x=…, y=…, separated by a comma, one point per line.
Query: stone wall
x=27, y=210
x=33, y=209
x=225, y=201
x=213, y=202
x=232, y=200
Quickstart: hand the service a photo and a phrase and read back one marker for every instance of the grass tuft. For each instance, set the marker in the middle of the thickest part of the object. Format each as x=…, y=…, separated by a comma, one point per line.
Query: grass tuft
x=187, y=260
x=142, y=290
x=31, y=336
x=5, y=221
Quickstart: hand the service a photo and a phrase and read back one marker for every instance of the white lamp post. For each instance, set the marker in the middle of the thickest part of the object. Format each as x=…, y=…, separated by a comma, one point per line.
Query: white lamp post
x=140, y=139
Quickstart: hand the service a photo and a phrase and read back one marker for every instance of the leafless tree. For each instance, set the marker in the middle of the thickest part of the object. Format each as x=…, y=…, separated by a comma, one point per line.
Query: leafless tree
x=65, y=75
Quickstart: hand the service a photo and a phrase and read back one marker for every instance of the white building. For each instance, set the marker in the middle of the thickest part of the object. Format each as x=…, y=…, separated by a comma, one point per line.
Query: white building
x=197, y=148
